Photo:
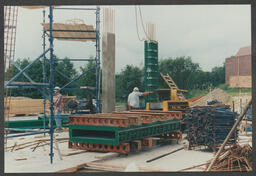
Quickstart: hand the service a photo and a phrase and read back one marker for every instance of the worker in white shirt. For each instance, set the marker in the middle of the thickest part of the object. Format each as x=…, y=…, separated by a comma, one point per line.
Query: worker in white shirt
x=134, y=98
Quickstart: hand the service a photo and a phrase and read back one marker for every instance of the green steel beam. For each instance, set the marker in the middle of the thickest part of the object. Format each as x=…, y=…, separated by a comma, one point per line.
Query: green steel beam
x=116, y=135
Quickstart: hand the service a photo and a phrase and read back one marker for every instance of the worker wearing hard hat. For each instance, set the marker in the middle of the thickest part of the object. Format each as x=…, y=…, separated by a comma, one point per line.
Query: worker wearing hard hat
x=134, y=100
x=58, y=105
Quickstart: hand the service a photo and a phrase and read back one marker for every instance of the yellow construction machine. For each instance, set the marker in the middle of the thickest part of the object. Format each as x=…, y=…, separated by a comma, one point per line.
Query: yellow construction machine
x=171, y=99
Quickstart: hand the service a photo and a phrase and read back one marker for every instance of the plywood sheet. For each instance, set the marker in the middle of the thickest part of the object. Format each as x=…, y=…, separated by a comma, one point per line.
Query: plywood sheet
x=75, y=36
x=240, y=82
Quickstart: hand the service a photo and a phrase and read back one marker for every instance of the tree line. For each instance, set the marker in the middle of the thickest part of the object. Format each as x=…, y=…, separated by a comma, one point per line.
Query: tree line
x=186, y=74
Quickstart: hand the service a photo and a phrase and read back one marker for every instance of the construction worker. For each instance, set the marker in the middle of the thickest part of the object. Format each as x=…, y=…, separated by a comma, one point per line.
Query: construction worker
x=58, y=109
x=134, y=100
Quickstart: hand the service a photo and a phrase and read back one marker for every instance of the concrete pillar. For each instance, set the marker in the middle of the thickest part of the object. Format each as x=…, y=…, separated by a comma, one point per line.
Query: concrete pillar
x=108, y=73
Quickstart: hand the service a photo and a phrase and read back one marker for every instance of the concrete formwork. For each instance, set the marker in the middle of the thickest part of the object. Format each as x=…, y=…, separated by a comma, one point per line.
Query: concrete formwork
x=108, y=72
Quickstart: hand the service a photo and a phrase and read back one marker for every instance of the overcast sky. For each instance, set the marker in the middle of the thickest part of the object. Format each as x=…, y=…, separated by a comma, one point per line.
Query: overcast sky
x=208, y=34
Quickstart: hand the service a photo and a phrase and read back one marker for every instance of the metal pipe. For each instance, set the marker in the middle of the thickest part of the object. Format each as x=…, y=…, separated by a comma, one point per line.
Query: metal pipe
x=76, y=60
x=51, y=82
x=44, y=65
x=61, y=8
x=36, y=86
x=21, y=130
x=27, y=134
x=97, y=59
x=229, y=135
x=86, y=38
x=65, y=30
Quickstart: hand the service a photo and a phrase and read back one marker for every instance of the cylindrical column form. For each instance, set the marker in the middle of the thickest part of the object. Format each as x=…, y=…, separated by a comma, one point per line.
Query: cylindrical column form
x=151, y=73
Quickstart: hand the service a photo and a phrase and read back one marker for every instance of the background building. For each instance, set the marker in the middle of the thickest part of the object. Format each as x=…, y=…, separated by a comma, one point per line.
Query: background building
x=238, y=69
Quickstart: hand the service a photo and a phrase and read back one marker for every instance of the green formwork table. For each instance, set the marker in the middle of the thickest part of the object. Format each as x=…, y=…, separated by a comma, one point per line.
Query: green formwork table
x=112, y=135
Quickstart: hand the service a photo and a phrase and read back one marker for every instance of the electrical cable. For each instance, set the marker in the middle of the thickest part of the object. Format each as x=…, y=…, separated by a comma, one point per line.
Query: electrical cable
x=143, y=24
x=137, y=29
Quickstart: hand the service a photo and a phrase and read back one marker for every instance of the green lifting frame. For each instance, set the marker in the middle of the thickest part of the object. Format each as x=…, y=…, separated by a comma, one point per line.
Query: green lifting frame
x=112, y=135
x=151, y=73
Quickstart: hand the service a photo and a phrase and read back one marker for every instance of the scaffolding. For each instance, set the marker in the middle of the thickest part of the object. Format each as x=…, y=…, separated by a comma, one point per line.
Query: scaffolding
x=47, y=87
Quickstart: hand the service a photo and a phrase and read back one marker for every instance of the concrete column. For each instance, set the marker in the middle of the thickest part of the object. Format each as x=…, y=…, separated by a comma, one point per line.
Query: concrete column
x=108, y=73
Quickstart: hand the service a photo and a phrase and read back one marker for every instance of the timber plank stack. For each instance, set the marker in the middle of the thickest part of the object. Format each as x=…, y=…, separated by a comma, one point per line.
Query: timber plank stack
x=24, y=106
x=120, y=131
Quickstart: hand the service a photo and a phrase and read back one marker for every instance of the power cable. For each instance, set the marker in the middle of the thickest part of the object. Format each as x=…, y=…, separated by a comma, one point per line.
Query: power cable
x=137, y=29
x=143, y=24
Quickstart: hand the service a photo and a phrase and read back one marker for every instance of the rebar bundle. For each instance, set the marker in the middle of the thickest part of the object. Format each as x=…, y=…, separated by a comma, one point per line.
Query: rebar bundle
x=236, y=158
x=209, y=125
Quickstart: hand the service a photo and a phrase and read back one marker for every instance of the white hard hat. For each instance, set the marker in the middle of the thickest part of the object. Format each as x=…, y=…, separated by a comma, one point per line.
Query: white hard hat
x=57, y=88
x=135, y=89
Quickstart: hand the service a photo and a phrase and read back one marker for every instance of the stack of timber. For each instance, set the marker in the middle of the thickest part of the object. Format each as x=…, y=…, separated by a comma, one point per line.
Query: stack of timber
x=209, y=125
x=236, y=158
x=121, y=131
x=24, y=106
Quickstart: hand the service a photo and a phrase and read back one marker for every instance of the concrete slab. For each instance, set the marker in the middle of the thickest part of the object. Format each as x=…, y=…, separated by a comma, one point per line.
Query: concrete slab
x=39, y=160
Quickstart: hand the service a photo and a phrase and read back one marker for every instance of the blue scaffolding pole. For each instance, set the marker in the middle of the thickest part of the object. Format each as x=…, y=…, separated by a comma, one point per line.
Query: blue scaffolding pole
x=51, y=82
x=44, y=72
x=97, y=59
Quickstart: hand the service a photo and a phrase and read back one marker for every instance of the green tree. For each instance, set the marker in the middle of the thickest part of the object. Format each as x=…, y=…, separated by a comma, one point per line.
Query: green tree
x=67, y=68
x=35, y=72
x=218, y=75
x=88, y=79
x=181, y=69
x=130, y=77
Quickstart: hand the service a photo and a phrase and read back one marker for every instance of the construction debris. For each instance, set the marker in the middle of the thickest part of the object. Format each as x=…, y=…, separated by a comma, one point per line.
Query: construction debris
x=218, y=94
x=33, y=144
x=74, y=153
x=20, y=159
x=209, y=125
x=236, y=158
x=193, y=167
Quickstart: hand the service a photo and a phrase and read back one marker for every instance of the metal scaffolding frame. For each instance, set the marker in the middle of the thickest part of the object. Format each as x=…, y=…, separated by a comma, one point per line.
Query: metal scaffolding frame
x=47, y=87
